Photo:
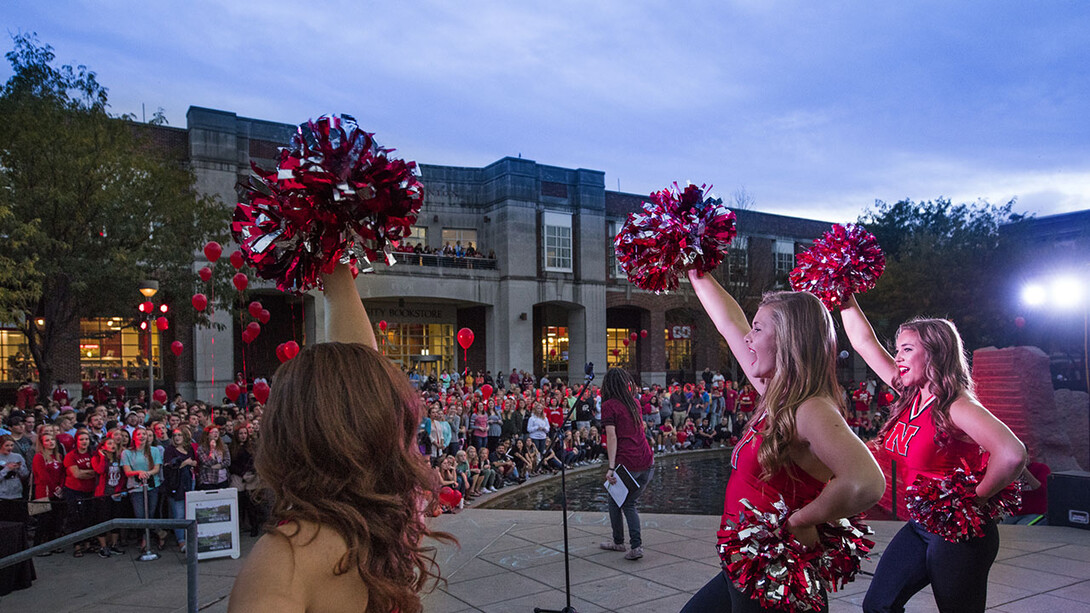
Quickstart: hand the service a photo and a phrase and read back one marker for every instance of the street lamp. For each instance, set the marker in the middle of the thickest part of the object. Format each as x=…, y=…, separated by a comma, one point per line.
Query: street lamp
x=1065, y=293
x=149, y=289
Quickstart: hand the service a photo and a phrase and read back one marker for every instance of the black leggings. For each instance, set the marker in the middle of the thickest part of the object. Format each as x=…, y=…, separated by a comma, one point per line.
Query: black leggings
x=957, y=572
x=720, y=596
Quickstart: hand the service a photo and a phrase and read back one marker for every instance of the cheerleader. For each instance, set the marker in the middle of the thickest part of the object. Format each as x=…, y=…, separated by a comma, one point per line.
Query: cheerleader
x=936, y=426
x=797, y=448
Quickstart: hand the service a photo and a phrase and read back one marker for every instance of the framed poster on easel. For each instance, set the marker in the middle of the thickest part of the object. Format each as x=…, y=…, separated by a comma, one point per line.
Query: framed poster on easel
x=216, y=512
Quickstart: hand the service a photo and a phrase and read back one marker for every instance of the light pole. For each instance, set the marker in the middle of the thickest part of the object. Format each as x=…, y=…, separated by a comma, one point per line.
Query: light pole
x=149, y=289
x=1066, y=293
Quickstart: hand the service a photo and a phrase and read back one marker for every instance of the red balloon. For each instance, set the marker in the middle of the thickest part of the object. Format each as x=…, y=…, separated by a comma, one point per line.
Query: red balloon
x=552, y=353
x=465, y=337
x=205, y=273
x=241, y=281
x=176, y=348
x=291, y=349
x=162, y=323
x=280, y=355
x=232, y=391
x=486, y=391
x=261, y=392
x=264, y=316
x=200, y=302
x=643, y=333
x=213, y=251
x=248, y=336
x=146, y=307
x=633, y=336
x=382, y=325
x=1020, y=322
x=255, y=326
x=889, y=397
x=255, y=308
x=159, y=396
x=615, y=352
x=237, y=260
x=625, y=341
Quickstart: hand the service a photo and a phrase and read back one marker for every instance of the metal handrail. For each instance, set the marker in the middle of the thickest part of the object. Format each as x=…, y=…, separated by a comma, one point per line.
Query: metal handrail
x=189, y=525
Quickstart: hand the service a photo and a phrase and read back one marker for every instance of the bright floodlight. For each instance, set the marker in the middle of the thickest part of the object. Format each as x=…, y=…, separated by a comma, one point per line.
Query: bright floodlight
x=1034, y=294
x=1066, y=292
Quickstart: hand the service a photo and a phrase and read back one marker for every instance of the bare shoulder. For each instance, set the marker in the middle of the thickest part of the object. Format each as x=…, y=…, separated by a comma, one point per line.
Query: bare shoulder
x=819, y=412
x=267, y=580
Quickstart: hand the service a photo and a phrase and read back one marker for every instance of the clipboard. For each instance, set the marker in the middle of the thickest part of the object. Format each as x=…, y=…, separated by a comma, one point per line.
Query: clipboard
x=625, y=487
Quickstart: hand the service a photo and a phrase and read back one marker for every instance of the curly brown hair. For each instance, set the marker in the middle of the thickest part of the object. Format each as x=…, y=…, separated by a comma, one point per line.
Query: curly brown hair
x=338, y=449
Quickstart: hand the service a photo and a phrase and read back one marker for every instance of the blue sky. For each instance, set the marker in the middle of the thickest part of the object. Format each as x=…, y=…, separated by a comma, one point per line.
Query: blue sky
x=815, y=109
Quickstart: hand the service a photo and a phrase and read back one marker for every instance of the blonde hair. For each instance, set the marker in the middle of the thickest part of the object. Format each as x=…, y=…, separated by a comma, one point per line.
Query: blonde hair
x=947, y=374
x=805, y=368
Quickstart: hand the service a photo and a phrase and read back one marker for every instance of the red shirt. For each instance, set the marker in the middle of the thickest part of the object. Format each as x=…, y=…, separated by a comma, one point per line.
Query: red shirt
x=911, y=442
x=48, y=476
x=555, y=415
x=794, y=485
x=633, y=452
x=83, y=461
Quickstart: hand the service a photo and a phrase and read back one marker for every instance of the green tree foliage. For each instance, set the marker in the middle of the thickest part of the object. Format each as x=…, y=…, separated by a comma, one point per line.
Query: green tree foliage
x=942, y=260
x=89, y=206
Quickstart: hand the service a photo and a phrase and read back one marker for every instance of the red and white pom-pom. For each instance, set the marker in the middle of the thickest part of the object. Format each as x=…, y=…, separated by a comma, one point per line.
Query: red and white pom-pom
x=767, y=563
x=336, y=196
x=844, y=546
x=947, y=506
x=845, y=260
x=677, y=231
x=1006, y=502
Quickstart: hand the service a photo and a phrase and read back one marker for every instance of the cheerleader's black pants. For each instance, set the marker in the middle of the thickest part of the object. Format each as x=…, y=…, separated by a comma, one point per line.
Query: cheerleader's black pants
x=916, y=558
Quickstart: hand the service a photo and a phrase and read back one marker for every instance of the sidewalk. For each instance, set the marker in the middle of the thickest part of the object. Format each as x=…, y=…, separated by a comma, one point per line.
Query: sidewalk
x=513, y=561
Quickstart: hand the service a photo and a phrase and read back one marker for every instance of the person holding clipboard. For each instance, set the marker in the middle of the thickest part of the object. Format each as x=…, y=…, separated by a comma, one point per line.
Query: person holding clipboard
x=628, y=454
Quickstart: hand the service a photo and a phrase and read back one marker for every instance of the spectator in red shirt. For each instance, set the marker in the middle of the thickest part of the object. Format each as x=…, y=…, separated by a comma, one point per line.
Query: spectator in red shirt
x=79, y=486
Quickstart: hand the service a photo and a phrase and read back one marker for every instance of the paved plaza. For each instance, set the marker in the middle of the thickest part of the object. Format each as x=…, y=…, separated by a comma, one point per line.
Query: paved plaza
x=512, y=561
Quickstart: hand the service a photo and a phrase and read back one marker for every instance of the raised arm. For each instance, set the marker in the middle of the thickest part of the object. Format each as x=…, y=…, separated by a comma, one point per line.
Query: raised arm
x=856, y=483
x=865, y=343
x=346, y=319
x=728, y=318
x=1006, y=454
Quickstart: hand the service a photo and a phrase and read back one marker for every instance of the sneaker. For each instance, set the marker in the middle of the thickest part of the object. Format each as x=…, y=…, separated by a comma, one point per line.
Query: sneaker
x=610, y=546
x=104, y=552
x=634, y=554
x=117, y=551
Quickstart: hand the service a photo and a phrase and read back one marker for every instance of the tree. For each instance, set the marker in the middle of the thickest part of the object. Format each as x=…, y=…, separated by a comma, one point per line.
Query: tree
x=89, y=206
x=942, y=260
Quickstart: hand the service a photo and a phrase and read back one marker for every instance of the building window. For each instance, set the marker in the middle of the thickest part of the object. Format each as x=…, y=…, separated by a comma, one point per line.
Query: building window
x=784, y=252
x=429, y=348
x=621, y=352
x=554, y=349
x=16, y=363
x=738, y=257
x=679, y=347
x=556, y=229
x=418, y=235
x=453, y=236
x=613, y=264
x=116, y=349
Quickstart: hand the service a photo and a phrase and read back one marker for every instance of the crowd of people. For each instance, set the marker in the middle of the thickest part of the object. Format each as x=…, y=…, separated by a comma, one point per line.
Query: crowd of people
x=87, y=462
x=457, y=250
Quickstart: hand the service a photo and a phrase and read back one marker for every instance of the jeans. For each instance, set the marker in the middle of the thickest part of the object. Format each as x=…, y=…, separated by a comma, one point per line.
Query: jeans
x=957, y=572
x=631, y=516
x=720, y=596
x=541, y=443
x=137, y=498
x=177, y=511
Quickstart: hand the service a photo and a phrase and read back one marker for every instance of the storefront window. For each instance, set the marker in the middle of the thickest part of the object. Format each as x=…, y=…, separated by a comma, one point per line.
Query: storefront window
x=618, y=354
x=679, y=347
x=117, y=349
x=16, y=364
x=429, y=348
x=554, y=349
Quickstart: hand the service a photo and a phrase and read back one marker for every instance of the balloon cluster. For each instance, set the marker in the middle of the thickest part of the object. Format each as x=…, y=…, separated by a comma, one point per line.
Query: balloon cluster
x=948, y=507
x=766, y=562
x=845, y=260
x=336, y=196
x=677, y=231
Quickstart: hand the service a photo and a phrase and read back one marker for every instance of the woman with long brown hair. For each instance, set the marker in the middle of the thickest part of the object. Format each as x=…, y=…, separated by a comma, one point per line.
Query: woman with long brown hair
x=338, y=453
x=626, y=446
x=798, y=448
x=108, y=502
x=937, y=425
x=142, y=465
x=48, y=474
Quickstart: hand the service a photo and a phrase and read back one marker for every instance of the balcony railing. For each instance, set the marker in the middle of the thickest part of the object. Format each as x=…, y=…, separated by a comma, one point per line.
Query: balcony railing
x=433, y=260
